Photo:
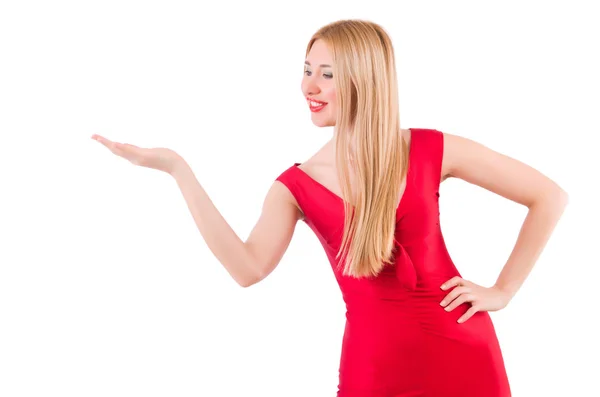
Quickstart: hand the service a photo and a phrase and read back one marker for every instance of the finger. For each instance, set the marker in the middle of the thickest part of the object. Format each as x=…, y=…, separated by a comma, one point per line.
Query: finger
x=468, y=314
x=112, y=145
x=117, y=149
x=100, y=138
x=106, y=142
x=126, y=152
x=454, y=294
x=130, y=149
x=454, y=281
x=459, y=301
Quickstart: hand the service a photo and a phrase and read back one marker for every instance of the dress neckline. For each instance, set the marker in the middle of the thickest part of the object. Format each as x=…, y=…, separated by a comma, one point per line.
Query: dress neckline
x=342, y=201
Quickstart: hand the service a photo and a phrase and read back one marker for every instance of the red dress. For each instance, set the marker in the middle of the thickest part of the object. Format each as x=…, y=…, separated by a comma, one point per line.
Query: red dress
x=398, y=340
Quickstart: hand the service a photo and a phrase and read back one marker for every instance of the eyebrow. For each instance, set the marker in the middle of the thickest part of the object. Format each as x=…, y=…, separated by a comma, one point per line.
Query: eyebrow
x=322, y=65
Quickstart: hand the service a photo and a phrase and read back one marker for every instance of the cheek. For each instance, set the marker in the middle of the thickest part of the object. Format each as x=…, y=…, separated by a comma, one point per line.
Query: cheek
x=333, y=108
x=331, y=98
x=331, y=93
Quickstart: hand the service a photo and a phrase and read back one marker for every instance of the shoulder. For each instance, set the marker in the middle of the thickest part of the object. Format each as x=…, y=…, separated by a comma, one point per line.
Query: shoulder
x=461, y=153
x=428, y=144
x=423, y=134
x=427, y=139
x=457, y=147
x=284, y=190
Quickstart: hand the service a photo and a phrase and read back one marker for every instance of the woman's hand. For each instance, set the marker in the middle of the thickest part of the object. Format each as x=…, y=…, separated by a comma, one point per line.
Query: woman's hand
x=161, y=159
x=481, y=298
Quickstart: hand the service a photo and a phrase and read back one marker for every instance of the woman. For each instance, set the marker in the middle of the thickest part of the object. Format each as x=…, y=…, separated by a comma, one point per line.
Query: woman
x=414, y=326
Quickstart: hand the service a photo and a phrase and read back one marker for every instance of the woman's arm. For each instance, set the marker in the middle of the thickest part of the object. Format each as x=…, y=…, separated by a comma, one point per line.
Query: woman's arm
x=251, y=261
x=542, y=217
x=514, y=180
x=247, y=262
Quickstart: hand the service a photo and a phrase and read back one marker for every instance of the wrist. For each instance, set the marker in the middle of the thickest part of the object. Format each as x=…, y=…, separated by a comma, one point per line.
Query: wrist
x=508, y=291
x=180, y=166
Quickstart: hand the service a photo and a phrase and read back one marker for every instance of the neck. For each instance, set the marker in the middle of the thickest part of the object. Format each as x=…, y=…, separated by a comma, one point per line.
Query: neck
x=333, y=145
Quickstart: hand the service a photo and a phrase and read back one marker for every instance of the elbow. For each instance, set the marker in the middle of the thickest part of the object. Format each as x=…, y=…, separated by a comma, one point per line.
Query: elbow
x=556, y=199
x=555, y=196
x=564, y=197
x=246, y=284
x=560, y=194
x=250, y=280
x=560, y=198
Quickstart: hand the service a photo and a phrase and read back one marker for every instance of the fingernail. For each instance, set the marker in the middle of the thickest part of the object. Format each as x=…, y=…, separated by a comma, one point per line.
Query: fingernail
x=442, y=303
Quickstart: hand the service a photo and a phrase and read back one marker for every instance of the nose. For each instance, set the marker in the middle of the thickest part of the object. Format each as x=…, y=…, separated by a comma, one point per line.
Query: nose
x=309, y=86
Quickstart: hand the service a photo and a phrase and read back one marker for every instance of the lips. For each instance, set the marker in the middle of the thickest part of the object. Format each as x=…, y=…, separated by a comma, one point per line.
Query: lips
x=315, y=106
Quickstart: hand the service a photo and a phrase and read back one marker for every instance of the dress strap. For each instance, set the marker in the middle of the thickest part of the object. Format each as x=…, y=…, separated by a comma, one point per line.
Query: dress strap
x=289, y=178
x=428, y=152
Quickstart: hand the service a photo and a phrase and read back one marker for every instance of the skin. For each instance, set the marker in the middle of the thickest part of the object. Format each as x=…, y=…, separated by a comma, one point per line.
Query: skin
x=250, y=261
x=317, y=83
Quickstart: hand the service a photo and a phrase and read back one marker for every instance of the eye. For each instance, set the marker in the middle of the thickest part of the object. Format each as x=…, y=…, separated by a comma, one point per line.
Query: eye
x=326, y=75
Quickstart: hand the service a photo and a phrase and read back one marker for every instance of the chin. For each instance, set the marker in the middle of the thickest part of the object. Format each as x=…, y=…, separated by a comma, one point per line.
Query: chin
x=323, y=123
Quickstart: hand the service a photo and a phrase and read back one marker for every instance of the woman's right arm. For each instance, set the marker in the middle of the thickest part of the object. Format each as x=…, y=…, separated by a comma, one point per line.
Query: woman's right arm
x=250, y=261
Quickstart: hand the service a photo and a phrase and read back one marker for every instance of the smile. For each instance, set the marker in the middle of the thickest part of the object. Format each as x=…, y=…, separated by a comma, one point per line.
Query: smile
x=316, y=106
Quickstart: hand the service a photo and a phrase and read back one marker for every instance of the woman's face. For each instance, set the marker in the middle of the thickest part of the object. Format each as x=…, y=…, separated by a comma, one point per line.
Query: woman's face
x=318, y=87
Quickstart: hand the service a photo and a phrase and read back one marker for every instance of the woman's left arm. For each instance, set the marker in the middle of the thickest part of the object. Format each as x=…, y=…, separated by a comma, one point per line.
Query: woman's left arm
x=514, y=180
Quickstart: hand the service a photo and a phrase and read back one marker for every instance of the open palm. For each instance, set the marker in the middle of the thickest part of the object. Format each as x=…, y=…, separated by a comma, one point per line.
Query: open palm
x=162, y=159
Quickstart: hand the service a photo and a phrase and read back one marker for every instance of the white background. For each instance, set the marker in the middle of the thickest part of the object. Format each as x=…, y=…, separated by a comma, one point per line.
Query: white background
x=108, y=289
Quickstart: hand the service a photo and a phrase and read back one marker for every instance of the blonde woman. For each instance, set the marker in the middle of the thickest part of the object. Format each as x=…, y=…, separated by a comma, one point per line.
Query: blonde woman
x=414, y=326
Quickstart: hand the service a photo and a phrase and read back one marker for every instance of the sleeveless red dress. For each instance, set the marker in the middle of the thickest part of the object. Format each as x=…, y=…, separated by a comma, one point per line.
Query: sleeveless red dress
x=398, y=340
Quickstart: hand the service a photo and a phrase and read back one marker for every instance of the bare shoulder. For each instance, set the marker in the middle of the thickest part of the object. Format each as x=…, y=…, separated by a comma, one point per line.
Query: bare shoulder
x=460, y=152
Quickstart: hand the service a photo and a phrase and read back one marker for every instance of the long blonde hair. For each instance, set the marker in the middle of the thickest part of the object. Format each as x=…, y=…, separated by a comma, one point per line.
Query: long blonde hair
x=369, y=139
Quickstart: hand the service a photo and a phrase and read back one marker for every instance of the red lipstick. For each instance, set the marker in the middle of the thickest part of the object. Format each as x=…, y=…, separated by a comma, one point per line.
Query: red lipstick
x=315, y=106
